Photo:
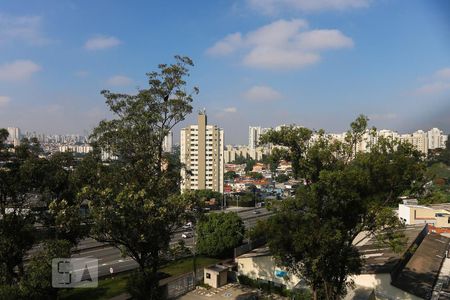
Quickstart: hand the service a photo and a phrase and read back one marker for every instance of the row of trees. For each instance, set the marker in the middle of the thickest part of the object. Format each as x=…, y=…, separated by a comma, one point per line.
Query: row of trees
x=346, y=193
x=134, y=200
x=28, y=183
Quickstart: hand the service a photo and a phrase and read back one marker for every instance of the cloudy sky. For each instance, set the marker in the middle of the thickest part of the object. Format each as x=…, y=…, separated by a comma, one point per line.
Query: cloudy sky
x=317, y=63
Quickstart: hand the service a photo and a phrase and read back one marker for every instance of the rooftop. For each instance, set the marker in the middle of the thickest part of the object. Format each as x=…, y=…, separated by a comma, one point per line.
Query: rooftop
x=384, y=259
x=421, y=271
x=262, y=251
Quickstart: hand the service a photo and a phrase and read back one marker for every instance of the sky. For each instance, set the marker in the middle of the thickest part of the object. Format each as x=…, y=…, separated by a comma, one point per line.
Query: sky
x=316, y=63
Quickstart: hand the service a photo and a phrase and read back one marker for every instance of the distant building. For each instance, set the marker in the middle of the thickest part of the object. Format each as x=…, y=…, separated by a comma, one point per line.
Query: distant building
x=231, y=153
x=436, y=138
x=254, y=135
x=14, y=135
x=167, y=143
x=201, y=152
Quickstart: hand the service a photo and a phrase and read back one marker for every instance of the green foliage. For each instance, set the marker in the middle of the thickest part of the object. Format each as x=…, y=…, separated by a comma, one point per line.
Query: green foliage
x=230, y=175
x=255, y=175
x=37, y=282
x=134, y=200
x=270, y=288
x=138, y=287
x=346, y=193
x=440, y=155
x=282, y=178
x=219, y=233
x=9, y=292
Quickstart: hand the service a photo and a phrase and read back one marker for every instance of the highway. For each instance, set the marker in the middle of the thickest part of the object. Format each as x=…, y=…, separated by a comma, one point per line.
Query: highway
x=110, y=257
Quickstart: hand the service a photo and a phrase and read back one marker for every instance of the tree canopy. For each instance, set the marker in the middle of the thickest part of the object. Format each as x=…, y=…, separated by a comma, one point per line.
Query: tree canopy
x=346, y=193
x=134, y=200
x=219, y=233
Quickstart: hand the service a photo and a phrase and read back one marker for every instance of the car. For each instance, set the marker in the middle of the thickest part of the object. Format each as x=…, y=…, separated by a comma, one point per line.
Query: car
x=188, y=225
x=186, y=235
x=256, y=212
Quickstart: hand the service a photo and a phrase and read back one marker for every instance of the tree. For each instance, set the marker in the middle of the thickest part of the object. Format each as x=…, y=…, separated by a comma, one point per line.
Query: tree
x=16, y=222
x=219, y=233
x=282, y=178
x=37, y=282
x=256, y=175
x=345, y=194
x=134, y=201
x=230, y=175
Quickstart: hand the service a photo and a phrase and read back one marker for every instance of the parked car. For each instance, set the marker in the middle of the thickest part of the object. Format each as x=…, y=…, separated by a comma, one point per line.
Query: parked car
x=188, y=225
x=186, y=235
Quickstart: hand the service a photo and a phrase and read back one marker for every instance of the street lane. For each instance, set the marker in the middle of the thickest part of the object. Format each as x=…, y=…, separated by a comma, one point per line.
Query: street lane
x=109, y=256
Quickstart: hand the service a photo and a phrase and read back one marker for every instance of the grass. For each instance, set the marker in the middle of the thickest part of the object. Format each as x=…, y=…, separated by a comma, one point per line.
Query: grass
x=108, y=288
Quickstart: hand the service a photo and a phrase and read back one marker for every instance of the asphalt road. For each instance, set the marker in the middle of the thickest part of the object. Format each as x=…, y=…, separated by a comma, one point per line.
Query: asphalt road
x=110, y=257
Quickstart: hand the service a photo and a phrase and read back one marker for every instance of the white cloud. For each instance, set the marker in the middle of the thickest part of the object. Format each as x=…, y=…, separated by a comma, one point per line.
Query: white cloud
x=18, y=70
x=270, y=7
x=230, y=109
x=101, y=42
x=433, y=88
x=25, y=29
x=261, y=93
x=443, y=73
x=119, y=80
x=282, y=45
x=226, y=46
x=438, y=83
x=4, y=100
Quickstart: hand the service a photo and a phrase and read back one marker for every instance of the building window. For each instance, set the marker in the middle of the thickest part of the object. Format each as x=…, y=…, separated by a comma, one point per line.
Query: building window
x=208, y=276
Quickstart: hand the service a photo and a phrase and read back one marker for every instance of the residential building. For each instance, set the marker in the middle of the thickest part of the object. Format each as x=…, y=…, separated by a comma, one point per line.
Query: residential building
x=436, y=215
x=259, y=264
x=436, y=138
x=418, y=272
x=254, y=134
x=201, y=152
x=168, y=142
x=231, y=153
x=14, y=136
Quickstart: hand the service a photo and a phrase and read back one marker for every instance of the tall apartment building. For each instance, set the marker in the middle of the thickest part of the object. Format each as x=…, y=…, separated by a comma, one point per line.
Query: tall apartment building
x=201, y=152
x=167, y=143
x=14, y=135
x=436, y=138
x=254, y=134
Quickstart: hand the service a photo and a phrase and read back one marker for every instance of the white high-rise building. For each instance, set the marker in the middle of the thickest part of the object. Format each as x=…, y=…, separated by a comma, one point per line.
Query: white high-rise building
x=201, y=152
x=254, y=134
x=167, y=143
x=14, y=136
x=436, y=138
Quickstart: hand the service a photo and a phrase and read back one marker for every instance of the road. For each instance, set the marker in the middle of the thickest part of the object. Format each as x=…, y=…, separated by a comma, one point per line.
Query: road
x=110, y=257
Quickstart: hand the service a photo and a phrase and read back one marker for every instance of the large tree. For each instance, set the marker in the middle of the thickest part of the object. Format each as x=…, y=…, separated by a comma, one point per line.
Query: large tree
x=345, y=193
x=135, y=203
x=219, y=233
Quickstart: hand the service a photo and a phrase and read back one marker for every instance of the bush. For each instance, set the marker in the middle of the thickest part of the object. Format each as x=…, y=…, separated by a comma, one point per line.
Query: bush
x=142, y=286
x=303, y=294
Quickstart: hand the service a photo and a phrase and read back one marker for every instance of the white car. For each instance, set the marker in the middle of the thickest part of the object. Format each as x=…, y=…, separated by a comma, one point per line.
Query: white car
x=188, y=225
x=186, y=235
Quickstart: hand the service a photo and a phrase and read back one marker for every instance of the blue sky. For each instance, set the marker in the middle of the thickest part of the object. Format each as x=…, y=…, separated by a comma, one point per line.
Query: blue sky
x=317, y=63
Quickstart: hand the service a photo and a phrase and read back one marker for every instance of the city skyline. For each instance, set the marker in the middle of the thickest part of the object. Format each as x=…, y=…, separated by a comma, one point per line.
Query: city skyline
x=320, y=64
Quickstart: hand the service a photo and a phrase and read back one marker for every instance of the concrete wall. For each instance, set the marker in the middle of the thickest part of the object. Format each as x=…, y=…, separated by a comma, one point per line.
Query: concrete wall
x=264, y=267
x=381, y=283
